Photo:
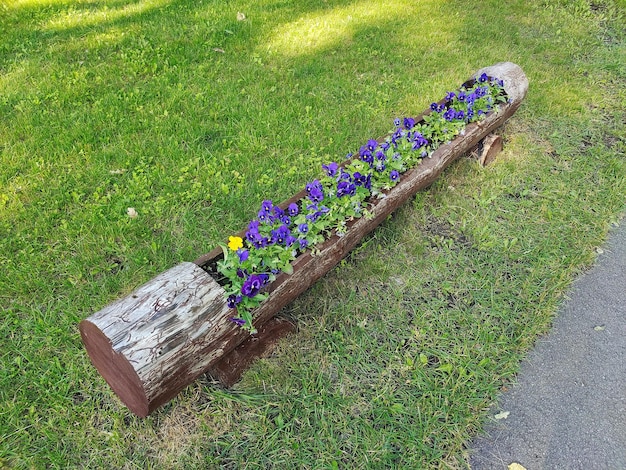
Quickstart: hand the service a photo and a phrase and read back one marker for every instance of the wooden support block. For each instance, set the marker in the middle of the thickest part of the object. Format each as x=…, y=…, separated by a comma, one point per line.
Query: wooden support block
x=487, y=149
x=491, y=146
x=230, y=368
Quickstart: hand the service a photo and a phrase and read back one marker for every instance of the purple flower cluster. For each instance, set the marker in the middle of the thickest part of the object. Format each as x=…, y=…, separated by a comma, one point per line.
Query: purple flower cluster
x=315, y=191
x=460, y=106
x=406, y=132
x=315, y=212
x=276, y=236
x=271, y=216
x=272, y=227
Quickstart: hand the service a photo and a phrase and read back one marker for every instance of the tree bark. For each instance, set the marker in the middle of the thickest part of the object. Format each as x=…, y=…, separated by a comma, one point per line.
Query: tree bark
x=154, y=342
x=151, y=344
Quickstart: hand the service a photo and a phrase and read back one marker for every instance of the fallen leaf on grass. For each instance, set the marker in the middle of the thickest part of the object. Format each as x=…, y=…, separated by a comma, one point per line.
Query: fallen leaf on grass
x=502, y=415
x=516, y=466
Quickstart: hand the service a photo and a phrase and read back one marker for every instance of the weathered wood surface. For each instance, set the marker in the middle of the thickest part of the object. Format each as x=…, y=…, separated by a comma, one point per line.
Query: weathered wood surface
x=152, y=343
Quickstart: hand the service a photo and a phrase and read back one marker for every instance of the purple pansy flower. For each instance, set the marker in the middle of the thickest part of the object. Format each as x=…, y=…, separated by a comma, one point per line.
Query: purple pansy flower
x=359, y=179
x=343, y=175
x=264, y=216
x=243, y=254
x=252, y=285
x=366, y=154
x=345, y=188
x=259, y=241
x=331, y=168
x=233, y=300
x=315, y=191
x=293, y=210
x=279, y=236
x=450, y=114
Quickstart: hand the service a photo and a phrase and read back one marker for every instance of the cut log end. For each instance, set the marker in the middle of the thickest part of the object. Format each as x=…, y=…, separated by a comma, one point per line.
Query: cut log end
x=115, y=368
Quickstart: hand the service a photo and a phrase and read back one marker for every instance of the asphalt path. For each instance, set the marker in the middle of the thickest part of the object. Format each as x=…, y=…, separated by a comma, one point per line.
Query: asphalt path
x=567, y=410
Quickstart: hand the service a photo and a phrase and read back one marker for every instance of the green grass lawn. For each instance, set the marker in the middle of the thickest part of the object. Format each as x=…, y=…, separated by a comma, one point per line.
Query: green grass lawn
x=192, y=117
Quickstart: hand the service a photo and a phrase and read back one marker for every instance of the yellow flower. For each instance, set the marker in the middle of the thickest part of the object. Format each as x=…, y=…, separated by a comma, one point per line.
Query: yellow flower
x=234, y=243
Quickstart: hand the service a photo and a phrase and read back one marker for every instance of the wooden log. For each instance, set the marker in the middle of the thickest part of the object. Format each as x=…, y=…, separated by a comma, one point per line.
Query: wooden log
x=151, y=344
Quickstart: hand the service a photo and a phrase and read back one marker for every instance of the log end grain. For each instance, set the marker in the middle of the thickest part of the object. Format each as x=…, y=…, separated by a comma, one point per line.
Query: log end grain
x=115, y=368
x=152, y=343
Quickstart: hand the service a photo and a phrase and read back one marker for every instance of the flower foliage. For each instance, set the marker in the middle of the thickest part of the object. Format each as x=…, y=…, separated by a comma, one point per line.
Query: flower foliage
x=279, y=234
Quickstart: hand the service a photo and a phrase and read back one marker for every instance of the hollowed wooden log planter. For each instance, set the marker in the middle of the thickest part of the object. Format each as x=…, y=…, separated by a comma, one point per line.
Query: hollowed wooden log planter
x=157, y=340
